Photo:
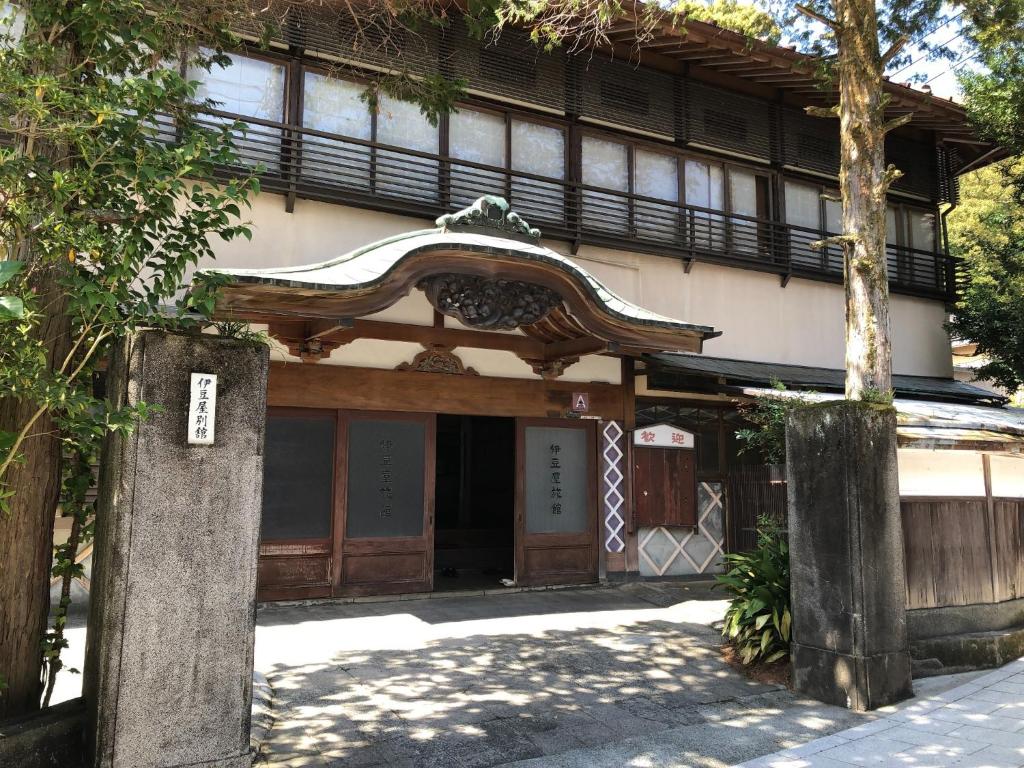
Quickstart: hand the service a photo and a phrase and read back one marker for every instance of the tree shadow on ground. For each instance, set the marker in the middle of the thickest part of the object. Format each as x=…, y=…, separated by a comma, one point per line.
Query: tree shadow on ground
x=497, y=698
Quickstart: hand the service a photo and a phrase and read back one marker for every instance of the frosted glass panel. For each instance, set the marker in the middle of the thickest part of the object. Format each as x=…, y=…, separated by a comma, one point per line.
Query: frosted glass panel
x=250, y=88
x=922, y=230
x=922, y=267
x=538, y=150
x=400, y=124
x=705, y=188
x=834, y=226
x=605, y=165
x=802, y=205
x=803, y=208
x=334, y=106
x=478, y=137
x=656, y=175
x=385, y=478
x=556, y=475
x=743, y=200
x=891, y=229
x=298, y=477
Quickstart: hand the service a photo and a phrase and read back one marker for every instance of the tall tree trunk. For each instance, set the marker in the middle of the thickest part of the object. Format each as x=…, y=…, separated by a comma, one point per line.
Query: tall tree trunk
x=863, y=183
x=26, y=534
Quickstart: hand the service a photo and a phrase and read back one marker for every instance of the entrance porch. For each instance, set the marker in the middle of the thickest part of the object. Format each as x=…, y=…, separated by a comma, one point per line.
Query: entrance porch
x=449, y=404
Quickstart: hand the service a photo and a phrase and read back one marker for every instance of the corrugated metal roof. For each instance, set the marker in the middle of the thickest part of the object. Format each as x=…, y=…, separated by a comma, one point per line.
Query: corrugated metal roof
x=747, y=373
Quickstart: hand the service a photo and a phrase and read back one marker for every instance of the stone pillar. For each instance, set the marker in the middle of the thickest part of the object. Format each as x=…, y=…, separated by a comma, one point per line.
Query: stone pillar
x=168, y=672
x=846, y=555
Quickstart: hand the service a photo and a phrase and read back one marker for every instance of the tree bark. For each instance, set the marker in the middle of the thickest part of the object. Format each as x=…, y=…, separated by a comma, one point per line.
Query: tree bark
x=863, y=184
x=26, y=534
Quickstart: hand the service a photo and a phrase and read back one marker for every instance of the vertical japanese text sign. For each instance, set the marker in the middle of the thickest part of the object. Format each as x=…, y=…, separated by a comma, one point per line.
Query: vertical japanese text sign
x=202, y=409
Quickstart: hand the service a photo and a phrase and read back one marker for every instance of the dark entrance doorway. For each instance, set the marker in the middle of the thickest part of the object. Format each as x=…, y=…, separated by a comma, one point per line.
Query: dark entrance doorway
x=474, y=502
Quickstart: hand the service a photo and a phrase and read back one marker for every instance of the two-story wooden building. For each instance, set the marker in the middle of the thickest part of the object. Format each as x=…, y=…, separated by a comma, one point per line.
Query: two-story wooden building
x=486, y=397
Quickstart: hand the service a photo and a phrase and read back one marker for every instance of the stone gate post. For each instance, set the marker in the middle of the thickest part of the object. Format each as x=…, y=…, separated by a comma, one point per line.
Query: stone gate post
x=846, y=555
x=168, y=674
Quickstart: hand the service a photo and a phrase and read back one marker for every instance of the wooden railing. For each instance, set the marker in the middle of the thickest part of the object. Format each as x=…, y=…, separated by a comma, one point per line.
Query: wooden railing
x=312, y=164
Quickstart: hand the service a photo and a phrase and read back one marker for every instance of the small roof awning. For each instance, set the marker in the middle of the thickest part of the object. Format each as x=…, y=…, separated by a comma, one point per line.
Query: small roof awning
x=672, y=372
x=931, y=413
x=484, y=265
x=934, y=425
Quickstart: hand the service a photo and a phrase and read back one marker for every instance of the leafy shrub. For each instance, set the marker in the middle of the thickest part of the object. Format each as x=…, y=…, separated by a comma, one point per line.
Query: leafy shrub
x=766, y=437
x=758, y=620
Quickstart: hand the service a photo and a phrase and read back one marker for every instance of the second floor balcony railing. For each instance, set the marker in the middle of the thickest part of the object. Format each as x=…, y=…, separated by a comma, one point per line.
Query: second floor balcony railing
x=307, y=163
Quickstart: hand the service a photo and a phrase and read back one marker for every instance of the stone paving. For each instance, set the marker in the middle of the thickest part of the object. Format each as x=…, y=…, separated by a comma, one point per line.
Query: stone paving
x=623, y=676
x=976, y=725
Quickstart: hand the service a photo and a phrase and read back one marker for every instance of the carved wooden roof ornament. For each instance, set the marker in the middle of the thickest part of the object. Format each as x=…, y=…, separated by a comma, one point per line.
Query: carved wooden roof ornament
x=487, y=214
x=482, y=302
x=437, y=358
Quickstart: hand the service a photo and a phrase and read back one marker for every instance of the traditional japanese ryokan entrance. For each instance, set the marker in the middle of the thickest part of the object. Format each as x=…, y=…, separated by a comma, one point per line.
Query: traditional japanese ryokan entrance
x=382, y=478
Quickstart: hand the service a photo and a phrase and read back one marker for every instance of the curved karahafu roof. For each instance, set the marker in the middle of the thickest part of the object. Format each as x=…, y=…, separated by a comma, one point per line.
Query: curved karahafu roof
x=484, y=265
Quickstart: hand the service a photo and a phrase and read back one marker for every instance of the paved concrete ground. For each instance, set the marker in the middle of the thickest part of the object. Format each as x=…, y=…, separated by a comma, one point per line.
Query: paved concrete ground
x=623, y=676
x=976, y=725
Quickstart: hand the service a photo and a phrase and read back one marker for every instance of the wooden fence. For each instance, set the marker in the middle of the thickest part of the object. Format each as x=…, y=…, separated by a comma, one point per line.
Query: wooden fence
x=959, y=551
x=752, y=492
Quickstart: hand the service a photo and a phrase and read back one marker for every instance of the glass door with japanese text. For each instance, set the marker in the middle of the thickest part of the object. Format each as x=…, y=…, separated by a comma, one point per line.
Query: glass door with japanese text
x=556, y=502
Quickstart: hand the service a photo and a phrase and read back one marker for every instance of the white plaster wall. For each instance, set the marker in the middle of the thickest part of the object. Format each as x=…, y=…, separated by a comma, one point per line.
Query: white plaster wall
x=940, y=473
x=800, y=324
x=1007, y=476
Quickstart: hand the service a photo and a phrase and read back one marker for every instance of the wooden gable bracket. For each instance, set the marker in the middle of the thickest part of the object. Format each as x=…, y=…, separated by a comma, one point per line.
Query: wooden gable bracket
x=559, y=355
x=313, y=340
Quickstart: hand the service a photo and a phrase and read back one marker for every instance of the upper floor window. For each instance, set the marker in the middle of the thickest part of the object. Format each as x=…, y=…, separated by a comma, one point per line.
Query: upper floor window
x=523, y=149
x=815, y=213
x=248, y=87
x=910, y=233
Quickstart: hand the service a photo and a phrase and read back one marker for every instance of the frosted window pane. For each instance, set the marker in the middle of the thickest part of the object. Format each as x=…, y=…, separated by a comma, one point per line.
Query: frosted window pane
x=834, y=226
x=891, y=230
x=480, y=138
x=743, y=200
x=922, y=268
x=556, y=474
x=401, y=124
x=605, y=165
x=334, y=106
x=803, y=208
x=705, y=188
x=538, y=150
x=12, y=21
x=802, y=205
x=250, y=88
x=656, y=175
x=922, y=230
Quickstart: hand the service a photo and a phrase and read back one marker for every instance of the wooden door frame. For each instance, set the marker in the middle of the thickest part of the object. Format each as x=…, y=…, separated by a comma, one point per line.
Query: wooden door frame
x=304, y=549
x=557, y=540
x=341, y=546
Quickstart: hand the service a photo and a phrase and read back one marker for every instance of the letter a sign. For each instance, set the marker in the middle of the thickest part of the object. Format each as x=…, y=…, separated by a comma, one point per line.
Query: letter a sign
x=580, y=402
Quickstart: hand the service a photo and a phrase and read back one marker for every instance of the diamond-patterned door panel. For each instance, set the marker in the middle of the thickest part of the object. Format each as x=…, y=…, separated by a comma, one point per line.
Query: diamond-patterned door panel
x=613, y=486
x=672, y=551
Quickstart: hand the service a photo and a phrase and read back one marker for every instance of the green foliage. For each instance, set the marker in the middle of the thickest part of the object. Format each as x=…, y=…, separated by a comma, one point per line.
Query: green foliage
x=100, y=212
x=107, y=201
x=768, y=413
x=759, y=620
x=745, y=18
x=987, y=232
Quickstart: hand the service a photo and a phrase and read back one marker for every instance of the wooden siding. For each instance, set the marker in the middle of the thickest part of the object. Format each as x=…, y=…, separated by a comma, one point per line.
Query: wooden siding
x=959, y=554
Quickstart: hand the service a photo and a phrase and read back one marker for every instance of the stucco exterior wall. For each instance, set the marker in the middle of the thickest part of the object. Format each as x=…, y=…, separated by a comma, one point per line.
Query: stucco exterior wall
x=800, y=324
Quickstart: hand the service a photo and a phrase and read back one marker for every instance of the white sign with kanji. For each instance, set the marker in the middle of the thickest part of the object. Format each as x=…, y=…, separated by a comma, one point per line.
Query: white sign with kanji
x=663, y=436
x=202, y=409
